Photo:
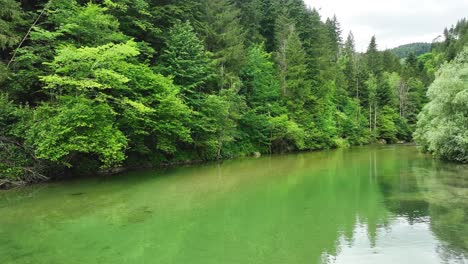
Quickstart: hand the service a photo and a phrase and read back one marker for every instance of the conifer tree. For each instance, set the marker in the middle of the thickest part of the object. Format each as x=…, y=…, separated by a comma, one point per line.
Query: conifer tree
x=350, y=65
x=186, y=59
x=373, y=58
x=261, y=86
x=11, y=18
x=334, y=32
x=225, y=38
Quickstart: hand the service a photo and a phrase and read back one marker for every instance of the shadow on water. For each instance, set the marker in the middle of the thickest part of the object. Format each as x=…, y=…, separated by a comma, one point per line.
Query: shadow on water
x=386, y=204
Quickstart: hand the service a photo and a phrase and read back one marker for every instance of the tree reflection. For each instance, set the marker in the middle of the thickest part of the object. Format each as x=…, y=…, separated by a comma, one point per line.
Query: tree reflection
x=446, y=190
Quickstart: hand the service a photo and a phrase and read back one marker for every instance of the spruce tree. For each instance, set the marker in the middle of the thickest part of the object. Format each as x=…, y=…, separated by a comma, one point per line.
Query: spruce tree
x=186, y=59
x=261, y=85
x=225, y=37
x=350, y=65
x=334, y=32
x=374, y=62
x=11, y=18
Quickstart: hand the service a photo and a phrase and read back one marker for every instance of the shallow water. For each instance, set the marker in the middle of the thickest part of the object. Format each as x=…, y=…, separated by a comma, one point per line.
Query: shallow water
x=386, y=204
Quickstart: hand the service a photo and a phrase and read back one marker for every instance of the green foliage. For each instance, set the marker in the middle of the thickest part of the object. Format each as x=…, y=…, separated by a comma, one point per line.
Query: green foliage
x=17, y=160
x=387, y=129
x=414, y=48
x=224, y=37
x=76, y=125
x=139, y=82
x=286, y=134
x=260, y=82
x=352, y=124
x=374, y=58
x=90, y=70
x=443, y=124
x=455, y=39
x=90, y=25
x=296, y=87
x=213, y=126
x=12, y=158
x=11, y=17
x=185, y=59
x=261, y=89
x=146, y=102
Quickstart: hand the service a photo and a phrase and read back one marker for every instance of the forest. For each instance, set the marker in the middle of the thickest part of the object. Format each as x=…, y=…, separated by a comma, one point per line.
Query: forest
x=102, y=85
x=417, y=49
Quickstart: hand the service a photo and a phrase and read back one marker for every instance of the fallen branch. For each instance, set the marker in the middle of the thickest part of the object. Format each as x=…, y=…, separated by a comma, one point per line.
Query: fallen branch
x=5, y=184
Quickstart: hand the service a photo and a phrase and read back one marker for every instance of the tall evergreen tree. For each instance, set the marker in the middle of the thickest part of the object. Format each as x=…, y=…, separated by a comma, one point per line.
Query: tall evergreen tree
x=11, y=18
x=336, y=40
x=374, y=61
x=350, y=65
x=186, y=59
x=225, y=38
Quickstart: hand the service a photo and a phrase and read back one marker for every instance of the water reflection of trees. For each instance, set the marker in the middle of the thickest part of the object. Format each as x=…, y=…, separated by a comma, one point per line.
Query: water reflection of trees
x=423, y=187
x=292, y=209
x=445, y=188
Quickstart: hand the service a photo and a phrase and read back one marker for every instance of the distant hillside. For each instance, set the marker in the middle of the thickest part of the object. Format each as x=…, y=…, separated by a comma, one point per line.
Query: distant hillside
x=417, y=48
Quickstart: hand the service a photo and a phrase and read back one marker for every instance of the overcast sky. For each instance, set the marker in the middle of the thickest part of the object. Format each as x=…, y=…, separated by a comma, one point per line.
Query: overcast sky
x=393, y=22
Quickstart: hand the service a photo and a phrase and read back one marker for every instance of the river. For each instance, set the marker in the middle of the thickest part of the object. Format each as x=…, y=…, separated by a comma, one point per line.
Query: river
x=384, y=204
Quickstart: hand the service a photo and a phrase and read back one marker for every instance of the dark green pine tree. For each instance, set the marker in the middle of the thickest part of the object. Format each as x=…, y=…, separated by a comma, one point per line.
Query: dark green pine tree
x=350, y=65
x=261, y=89
x=385, y=94
x=297, y=85
x=142, y=20
x=334, y=32
x=410, y=66
x=252, y=15
x=291, y=60
x=390, y=62
x=267, y=24
x=186, y=59
x=224, y=36
x=11, y=19
x=316, y=45
x=374, y=60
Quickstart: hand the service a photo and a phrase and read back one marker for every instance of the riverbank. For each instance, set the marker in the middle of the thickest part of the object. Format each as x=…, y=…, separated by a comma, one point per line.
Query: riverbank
x=391, y=201
x=6, y=184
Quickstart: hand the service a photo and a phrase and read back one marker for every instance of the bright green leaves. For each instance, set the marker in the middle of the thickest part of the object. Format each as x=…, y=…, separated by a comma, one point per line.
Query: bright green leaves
x=194, y=89
x=261, y=84
x=76, y=125
x=213, y=126
x=285, y=133
x=89, y=25
x=443, y=124
x=89, y=69
x=387, y=129
x=148, y=111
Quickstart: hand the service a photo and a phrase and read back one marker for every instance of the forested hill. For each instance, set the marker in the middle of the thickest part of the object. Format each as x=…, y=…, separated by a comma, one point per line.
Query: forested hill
x=416, y=48
x=96, y=85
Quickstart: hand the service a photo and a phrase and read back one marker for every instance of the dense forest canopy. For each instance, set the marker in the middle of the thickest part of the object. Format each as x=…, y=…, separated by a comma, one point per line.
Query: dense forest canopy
x=417, y=49
x=89, y=85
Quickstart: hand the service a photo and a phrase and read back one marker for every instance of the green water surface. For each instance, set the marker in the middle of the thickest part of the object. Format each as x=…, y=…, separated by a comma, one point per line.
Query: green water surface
x=387, y=204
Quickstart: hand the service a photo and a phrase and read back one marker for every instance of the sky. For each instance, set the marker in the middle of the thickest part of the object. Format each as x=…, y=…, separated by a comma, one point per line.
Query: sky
x=393, y=22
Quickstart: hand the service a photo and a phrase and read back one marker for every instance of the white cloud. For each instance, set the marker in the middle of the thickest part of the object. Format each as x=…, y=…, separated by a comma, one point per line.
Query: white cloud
x=393, y=22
